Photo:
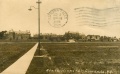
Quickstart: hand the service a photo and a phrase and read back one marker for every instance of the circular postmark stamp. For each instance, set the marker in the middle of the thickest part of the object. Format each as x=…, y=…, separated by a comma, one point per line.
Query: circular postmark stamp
x=57, y=17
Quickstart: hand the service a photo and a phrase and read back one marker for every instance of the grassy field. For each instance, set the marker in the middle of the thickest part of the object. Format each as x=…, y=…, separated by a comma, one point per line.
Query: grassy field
x=11, y=51
x=77, y=58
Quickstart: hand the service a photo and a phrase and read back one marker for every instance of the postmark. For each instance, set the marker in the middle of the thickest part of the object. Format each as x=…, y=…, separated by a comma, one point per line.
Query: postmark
x=57, y=17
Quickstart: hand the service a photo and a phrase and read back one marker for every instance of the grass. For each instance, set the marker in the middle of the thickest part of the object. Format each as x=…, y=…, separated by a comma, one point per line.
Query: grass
x=67, y=58
x=10, y=52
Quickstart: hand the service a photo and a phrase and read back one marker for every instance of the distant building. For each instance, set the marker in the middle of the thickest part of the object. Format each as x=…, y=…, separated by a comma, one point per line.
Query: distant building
x=114, y=39
x=18, y=35
x=108, y=39
x=49, y=37
x=93, y=37
x=69, y=37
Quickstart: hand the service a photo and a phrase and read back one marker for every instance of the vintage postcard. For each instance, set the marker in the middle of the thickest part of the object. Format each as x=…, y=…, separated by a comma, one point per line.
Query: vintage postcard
x=59, y=36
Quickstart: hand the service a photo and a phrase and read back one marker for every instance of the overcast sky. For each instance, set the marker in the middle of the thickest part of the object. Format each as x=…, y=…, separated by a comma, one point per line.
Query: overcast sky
x=14, y=15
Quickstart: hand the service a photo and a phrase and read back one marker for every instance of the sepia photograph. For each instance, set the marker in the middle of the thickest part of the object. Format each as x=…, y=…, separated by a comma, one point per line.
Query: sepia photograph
x=59, y=36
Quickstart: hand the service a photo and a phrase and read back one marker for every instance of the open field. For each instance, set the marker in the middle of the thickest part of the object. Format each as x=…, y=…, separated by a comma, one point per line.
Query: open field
x=77, y=58
x=11, y=51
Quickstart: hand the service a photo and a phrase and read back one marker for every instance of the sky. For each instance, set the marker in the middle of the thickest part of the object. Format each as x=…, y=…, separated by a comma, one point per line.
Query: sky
x=14, y=15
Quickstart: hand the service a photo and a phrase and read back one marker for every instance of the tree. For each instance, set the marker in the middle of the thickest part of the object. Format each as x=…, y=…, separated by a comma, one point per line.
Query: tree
x=70, y=35
x=2, y=34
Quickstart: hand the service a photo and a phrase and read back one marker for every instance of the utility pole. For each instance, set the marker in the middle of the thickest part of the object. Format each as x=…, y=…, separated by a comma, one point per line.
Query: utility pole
x=38, y=24
x=38, y=2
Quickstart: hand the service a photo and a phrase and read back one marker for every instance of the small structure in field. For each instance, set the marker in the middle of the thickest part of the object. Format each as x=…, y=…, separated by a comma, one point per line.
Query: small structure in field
x=71, y=40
